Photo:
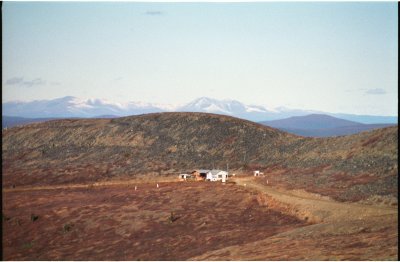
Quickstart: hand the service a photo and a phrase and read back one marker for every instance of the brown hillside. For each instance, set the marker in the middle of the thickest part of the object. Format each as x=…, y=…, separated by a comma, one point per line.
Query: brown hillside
x=86, y=150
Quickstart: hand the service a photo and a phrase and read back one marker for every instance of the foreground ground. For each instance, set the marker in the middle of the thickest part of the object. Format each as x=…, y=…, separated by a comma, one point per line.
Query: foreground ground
x=340, y=231
x=121, y=223
x=210, y=221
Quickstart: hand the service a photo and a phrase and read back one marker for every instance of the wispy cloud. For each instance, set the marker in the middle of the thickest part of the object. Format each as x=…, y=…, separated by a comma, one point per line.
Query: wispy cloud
x=19, y=81
x=154, y=12
x=375, y=91
x=34, y=82
x=15, y=81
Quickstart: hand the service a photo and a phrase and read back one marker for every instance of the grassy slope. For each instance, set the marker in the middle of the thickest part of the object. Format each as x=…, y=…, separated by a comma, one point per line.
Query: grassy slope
x=87, y=150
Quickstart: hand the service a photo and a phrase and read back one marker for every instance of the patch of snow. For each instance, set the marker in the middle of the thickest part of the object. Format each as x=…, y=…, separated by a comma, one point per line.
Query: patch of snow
x=166, y=107
x=214, y=109
x=254, y=109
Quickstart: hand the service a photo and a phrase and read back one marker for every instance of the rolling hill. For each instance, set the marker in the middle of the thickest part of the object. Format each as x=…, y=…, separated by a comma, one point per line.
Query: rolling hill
x=163, y=144
x=320, y=125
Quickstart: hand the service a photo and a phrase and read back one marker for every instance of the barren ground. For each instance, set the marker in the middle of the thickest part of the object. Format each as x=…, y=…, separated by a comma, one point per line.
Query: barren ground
x=341, y=231
x=212, y=221
x=115, y=222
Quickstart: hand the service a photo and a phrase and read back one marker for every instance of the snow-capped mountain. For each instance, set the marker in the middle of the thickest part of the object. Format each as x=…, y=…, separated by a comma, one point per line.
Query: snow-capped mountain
x=228, y=107
x=70, y=106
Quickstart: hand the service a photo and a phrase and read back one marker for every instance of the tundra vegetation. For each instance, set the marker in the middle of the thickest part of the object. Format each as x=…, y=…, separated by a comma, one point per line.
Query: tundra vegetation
x=96, y=179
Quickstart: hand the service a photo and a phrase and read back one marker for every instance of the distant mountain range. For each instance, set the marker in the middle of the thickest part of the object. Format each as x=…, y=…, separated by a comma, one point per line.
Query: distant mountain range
x=10, y=121
x=314, y=125
x=69, y=106
x=319, y=125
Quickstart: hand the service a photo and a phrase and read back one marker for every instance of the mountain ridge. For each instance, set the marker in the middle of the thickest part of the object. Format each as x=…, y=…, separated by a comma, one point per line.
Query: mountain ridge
x=312, y=121
x=70, y=106
x=320, y=125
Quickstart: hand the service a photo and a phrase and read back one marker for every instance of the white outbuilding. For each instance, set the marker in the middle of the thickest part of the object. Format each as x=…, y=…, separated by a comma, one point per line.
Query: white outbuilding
x=258, y=173
x=184, y=177
x=217, y=175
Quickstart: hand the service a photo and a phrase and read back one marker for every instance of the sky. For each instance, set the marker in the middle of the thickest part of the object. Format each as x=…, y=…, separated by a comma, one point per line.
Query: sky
x=335, y=57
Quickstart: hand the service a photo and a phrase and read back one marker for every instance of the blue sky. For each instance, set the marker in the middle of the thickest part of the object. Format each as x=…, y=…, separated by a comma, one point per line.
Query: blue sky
x=335, y=57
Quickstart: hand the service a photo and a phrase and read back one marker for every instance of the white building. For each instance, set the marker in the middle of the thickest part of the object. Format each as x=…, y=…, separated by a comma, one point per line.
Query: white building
x=258, y=173
x=185, y=176
x=217, y=175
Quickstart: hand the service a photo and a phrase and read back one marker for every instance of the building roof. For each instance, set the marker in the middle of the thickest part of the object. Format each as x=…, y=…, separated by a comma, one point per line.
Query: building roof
x=201, y=170
x=216, y=171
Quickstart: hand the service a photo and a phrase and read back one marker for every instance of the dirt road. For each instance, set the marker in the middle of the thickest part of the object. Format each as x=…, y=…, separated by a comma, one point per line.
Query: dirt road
x=316, y=208
x=130, y=182
x=342, y=231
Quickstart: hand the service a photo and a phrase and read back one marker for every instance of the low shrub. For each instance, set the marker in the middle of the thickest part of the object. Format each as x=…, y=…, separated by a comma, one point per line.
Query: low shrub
x=34, y=217
x=172, y=218
x=27, y=245
x=67, y=228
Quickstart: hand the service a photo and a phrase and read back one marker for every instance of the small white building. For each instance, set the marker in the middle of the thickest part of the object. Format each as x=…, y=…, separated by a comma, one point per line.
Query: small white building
x=217, y=175
x=258, y=173
x=184, y=176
